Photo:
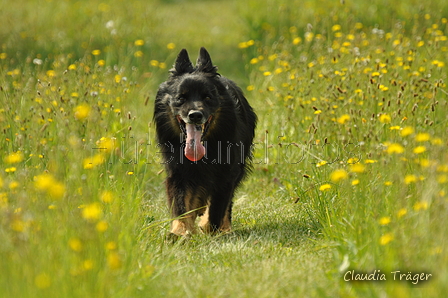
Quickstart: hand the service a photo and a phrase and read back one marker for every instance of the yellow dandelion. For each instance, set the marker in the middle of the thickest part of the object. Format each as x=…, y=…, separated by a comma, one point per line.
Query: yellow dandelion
x=114, y=260
x=437, y=141
x=82, y=111
x=102, y=226
x=93, y=161
x=325, y=187
x=344, y=118
x=317, y=112
x=422, y=137
x=14, y=157
x=402, y=212
x=139, y=42
x=43, y=181
x=243, y=45
x=96, y=52
x=254, y=61
x=375, y=74
x=357, y=168
x=171, y=46
x=368, y=161
x=92, y=211
x=10, y=170
x=72, y=67
x=117, y=78
x=419, y=149
x=138, y=54
x=75, y=244
x=101, y=62
x=321, y=163
x=352, y=160
x=106, y=145
x=355, y=182
x=13, y=185
x=422, y=205
x=336, y=27
x=406, y=131
x=441, y=179
x=267, y=73
x=385, y=118
x=57, y=190
x=42, y=281
x=388, y=183
x=395, y=149
x=107, y=196
x=386, y=238
x=384, y=220
x=87, y=264
x=408, y=179
x=338, y=175
x=111, y=245
x=296, y=41
x=51, y=73
x=396, y=127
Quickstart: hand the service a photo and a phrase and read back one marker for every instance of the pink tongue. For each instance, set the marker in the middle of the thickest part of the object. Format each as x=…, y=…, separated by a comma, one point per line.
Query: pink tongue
x=194, y=150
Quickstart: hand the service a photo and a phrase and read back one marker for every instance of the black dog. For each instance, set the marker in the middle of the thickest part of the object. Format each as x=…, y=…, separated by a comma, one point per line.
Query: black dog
x=205, y=128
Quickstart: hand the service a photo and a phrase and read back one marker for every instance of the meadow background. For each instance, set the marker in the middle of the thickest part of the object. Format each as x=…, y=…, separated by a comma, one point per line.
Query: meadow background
x=350, y=161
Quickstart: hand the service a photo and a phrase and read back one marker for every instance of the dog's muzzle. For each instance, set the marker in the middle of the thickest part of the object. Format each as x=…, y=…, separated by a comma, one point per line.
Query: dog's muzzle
x=194, y=129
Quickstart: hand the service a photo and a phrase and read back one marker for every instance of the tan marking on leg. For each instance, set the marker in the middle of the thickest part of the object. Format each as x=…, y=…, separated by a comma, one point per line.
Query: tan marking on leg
x=226, y=225
x=183, y=226
x=204, y=224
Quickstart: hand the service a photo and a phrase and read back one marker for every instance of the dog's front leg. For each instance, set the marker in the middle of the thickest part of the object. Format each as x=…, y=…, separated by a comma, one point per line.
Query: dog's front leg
x=218, y=214
x=180, y=202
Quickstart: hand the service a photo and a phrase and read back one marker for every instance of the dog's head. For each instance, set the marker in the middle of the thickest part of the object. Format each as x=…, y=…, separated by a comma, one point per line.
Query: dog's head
x=194, y=99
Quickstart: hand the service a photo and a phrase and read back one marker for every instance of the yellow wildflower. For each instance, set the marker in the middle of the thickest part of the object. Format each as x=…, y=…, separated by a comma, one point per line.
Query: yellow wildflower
x=386, y=238
x=338, y=175
x=344, y=118
x=82, y=111
x=92, y=211
x=93, y=161
x=408, y=179
x=422, y=137
x=139, y=42
x=385, y=220
x=14, y=157
x=402, y=212
x=395, y=148
x=325, y=187
x=385, y=118
x=422, y=205
x=419, y=149
x=406, y=131
x=357, y=168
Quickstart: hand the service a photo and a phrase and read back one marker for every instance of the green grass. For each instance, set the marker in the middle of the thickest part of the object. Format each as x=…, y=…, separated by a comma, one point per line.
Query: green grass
x=350, y=162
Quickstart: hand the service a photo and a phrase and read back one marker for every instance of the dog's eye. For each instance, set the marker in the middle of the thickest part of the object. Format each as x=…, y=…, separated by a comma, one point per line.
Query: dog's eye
x=181, y=98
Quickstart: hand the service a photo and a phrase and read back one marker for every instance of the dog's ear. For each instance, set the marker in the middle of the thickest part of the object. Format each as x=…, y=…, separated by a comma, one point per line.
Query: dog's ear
x=182, y=64
x=204, y=63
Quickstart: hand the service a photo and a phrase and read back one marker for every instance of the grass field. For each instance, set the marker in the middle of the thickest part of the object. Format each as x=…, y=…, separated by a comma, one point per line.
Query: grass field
x=350, y=162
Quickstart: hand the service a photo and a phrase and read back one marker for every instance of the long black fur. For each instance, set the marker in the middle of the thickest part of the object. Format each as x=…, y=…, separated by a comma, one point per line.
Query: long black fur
x=209, y=183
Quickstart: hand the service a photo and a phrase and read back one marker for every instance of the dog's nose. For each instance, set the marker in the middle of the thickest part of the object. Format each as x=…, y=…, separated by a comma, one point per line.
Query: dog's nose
x=195, y=116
